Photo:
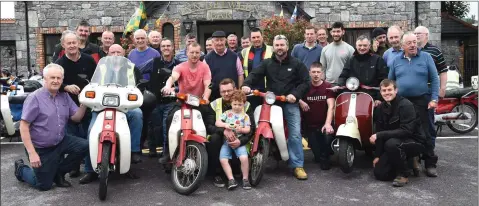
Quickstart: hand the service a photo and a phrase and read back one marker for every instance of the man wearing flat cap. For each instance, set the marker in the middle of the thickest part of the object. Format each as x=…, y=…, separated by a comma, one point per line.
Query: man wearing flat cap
x=379, y=41
x=223, y=63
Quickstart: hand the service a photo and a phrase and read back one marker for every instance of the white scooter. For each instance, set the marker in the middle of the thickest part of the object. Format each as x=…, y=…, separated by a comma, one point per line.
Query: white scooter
x=112, y=92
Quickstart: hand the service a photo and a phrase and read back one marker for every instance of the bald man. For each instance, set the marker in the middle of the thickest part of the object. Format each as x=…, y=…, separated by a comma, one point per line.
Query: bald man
x=135, y=122
x=107, y=39
x=154, y=37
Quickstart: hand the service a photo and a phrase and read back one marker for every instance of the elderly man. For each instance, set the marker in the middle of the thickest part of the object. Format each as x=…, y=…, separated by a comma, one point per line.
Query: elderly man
x=308, y=51
x=209, y=45
x=142, y=53
x=42, y=128
x=322, y=35
x=107, y=39
x=412, y=72
x=245, y=42
x=181, y=56
x=233, y=43
x=135, y=122
x=223, y=63
x=286, y=75
x=379, y=41
x=394, y=38
x=83, y=32
x=154, y=37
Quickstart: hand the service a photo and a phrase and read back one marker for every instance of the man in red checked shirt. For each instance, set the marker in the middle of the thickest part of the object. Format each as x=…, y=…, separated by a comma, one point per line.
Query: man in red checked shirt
x=317, y=112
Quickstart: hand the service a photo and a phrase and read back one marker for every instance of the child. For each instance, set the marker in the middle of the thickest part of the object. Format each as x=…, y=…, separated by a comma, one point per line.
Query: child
x=237, y=120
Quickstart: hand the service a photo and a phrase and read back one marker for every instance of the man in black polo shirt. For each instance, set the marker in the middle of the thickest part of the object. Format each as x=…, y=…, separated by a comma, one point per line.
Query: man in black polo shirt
x=75, y=62
x=107, y=39
x=83, y=32
x=223, y=64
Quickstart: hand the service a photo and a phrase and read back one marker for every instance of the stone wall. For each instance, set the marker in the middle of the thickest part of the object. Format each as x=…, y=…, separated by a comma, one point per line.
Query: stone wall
x=7, y=58
x=430, y=17
x=450, y=49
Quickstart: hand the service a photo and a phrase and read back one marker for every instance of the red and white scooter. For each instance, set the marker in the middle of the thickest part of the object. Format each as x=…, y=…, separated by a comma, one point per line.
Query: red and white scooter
x=457, y=110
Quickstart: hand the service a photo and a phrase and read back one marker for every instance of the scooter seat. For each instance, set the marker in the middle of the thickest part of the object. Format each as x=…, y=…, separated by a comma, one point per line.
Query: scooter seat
x=17, y=99
x=457, y=93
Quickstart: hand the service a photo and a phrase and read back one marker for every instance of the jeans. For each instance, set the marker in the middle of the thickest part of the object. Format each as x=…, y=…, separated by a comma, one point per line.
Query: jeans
x=79, y=129
x=320, y=144
x=227, y=152
x=135, y=122
x=432, y=130
x=53, y=162
x=292, y=116
x=158, y=119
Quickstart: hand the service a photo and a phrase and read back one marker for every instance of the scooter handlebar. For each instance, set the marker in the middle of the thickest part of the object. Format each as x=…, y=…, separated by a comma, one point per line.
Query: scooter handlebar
x=281, y=98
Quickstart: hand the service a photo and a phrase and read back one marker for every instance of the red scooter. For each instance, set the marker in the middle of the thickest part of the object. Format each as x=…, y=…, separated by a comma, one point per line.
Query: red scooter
x=457, y=110
x=270, y=134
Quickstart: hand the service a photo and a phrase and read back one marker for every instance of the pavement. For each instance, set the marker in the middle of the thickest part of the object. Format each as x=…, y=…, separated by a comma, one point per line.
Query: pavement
x=456, y=184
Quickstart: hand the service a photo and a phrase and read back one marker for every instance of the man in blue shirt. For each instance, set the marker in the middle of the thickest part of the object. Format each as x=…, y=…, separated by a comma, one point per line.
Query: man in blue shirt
x=394, y=38
x=181, y=55
x=308, y=52
x=412, y=70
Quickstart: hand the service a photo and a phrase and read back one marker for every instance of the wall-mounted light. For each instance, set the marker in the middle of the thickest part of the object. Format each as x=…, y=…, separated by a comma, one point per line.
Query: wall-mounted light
x=188, y=24
x=251, y=21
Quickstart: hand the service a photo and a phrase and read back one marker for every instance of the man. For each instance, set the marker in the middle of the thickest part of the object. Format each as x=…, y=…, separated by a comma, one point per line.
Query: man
x=369, y=68
x=42, y=128
x=412, y=72
x=107, y=39
x=394, y=38
x=223, y=63
x=160, y=69
x=422, y=34
x=308, y=52
x=336, y=54
x=379, y=41
x=398, y=136
x=154, y=37
x=285, y=75
x=194, y=77
x=233, y=43
x=218, y=135
x=83, y=32
x=322, y=37
x=252, y=57
x=317, y=112
x=182, y=56
x=142, y=53
x=245, y=42
x=209, y=45
x=135, y=122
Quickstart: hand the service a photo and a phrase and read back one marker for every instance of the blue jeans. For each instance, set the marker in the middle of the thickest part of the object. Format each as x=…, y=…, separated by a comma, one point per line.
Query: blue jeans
x=292, y=116
x=158, y=119
x=79, y=129
x=432, y=127
x=135, y=122
x=54, y=162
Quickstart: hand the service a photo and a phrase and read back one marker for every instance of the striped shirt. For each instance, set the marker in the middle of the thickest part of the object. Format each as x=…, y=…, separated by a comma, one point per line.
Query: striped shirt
x=437, y=56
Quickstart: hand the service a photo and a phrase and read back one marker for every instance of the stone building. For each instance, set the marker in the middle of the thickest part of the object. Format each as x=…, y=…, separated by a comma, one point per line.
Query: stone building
x=42, y=22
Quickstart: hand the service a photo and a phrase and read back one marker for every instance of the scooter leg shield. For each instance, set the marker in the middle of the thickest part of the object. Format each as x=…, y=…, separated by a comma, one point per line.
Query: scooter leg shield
x=173, y=133
x=277, y=125
x=123, y=141
x=7, y=115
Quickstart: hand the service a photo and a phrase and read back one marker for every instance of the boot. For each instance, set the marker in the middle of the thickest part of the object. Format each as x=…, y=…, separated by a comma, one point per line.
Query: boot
x=89, y=177
x=135, y=157
x=61, y=182
x=400, y=181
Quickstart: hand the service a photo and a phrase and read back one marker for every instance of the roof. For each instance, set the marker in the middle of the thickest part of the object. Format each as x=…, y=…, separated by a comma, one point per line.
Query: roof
x=451, y=25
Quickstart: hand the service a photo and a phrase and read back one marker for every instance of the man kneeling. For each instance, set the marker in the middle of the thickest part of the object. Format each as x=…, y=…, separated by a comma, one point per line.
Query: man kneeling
x=398, y=136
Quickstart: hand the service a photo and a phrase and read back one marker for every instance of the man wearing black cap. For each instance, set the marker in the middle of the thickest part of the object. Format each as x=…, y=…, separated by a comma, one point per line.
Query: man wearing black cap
x=223, y=64
x=379, y=41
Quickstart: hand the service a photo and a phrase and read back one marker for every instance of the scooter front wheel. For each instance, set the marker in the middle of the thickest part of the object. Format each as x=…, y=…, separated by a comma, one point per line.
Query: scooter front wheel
x=104, y=170
x=188, y=177
x=258, y=161
x=464, y=128
x=346, y=154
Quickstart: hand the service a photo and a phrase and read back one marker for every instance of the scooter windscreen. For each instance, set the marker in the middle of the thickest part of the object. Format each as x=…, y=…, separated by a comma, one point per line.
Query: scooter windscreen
x=114, y=70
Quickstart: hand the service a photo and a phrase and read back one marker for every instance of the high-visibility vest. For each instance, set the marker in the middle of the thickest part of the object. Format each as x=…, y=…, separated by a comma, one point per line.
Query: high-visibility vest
x=245, y=54
x=452, y=81
x=130, y=74
x=217, y=106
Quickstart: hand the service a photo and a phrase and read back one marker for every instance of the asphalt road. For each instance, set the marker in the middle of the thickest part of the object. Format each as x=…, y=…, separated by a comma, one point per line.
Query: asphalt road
x=456, y=184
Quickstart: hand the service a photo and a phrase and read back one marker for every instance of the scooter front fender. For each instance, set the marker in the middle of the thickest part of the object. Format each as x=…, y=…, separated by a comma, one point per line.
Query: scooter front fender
x=349, y=130
x=6, y=114
x=196, y=138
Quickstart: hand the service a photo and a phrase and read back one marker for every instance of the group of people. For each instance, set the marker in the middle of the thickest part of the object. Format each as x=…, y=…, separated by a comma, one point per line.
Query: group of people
x=404, y=66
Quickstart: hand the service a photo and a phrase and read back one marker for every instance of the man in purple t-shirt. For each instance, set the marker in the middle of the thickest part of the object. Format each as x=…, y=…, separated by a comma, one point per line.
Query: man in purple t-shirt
x=142, y=53
x=42, y=128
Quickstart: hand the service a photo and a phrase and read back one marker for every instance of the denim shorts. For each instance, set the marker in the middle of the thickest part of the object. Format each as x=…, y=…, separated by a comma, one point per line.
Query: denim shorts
x=226, y=151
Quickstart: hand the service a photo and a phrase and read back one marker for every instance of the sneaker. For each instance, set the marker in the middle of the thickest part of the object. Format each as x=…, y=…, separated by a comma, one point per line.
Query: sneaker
x=18, y=165
x=246, y=184
x=300, y=174
x=218, y=181
x=232, y=184
x=431, y=172
x=400, y=181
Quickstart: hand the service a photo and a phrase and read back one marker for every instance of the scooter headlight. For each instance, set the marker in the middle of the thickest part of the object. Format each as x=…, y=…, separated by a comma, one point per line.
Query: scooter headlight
x=111, y=101
x=352, y=83
x=270, y=98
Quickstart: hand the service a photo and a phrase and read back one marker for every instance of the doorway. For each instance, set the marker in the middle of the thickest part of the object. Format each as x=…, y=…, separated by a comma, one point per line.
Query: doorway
x=206, y=29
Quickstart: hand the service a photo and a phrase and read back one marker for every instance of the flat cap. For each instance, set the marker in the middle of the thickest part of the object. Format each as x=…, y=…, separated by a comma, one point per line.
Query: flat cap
x=218, y=34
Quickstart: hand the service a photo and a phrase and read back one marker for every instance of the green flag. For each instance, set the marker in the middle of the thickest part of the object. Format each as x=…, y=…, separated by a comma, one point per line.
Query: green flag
x=137, y=20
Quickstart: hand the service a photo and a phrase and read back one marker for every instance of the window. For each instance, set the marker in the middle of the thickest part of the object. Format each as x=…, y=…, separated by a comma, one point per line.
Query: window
x=168, y=31
x=51, y=40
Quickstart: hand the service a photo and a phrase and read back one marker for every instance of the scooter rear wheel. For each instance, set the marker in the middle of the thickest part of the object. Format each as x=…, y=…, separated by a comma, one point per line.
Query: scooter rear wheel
x=188, y=177
x=258, y=161
x=346, y=154
x=104, y=170
x=462, y=128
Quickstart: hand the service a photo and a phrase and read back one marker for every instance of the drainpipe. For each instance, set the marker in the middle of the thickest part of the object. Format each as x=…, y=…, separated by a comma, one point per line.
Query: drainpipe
x=416, y=21
x=30, y=71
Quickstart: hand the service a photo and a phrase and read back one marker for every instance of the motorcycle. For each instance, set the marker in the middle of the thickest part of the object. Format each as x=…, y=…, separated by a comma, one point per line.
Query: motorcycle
x=186, y=144
x=353, y=117
x=270, y=136
x=112, y=92
x=457, y=110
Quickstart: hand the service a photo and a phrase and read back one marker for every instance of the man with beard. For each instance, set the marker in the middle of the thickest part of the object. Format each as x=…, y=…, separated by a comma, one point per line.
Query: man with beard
x=412, y=72
x=322, y=34
x=379, y=41
x=336, y=54
x=369, y=68
x=233, y=43
x=83, y=32
x=107, y=39
x=285, y=75
x=394, y=37
x=154, y=37
x=245, y=42
x=142, y=53
x=308, y=52
x=223, y=64
x=209, y=45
